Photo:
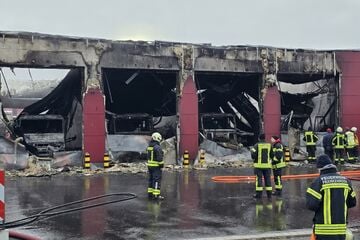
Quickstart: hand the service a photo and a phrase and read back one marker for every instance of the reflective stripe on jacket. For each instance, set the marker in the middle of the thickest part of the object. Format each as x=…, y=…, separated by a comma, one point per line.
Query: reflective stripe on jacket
x=330, y=196
x=154, y=155
x=261, y=155
x=310, y=138
x=338, y=141
x=278, y=156
x=350, y=139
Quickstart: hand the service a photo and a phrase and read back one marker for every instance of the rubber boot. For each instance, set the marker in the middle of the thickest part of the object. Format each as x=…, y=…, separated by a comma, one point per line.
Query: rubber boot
x=269, y=194
x=277, y=192
x=158, y=197
x=257, y=195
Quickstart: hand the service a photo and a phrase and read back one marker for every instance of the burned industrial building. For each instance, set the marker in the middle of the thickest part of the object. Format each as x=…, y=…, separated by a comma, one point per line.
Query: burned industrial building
x=231, y=98
x=310, y=103
x=138, y=96
x=118, y=92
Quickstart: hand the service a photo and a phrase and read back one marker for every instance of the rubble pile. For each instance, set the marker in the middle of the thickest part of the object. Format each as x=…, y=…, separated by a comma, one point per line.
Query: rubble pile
x=139, y=167
x=34, y=169
x=215, y=156
x=229, y=164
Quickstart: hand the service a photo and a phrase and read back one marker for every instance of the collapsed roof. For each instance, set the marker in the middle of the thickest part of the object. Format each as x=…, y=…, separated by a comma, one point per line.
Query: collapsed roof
x=63, y=101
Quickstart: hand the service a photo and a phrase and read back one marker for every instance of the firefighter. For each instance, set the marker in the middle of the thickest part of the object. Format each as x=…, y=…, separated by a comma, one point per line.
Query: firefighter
x=326, y=141
x=350, y=145
x=329, y=196
x=356, y=153
x=338, y=143
x=155, y=164
x=310, y=139
x=262, y=166
x=277, y=155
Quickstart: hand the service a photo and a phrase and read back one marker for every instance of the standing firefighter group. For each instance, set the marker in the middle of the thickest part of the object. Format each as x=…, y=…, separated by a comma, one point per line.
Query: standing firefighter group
x=339, y=146
x=268, y=157
x=329, y=196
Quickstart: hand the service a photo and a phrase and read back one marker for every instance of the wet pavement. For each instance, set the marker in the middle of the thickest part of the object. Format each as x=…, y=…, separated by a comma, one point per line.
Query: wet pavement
x=195, y=207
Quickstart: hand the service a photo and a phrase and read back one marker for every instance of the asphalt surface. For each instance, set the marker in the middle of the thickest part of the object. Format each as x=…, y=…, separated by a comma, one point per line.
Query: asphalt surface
x=194, y=206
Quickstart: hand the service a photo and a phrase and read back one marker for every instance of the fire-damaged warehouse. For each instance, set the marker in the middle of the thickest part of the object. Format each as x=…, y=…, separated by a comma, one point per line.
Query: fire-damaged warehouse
x=116, y=93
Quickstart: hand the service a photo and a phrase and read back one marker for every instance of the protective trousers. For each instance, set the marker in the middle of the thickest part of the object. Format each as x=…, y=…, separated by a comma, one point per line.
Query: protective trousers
x=339, y=155
x=155, y=174
x=351, y=154
x=329, y=237
x=260, y=172
x=277, y=179
x=329, y=152
x=311, y=149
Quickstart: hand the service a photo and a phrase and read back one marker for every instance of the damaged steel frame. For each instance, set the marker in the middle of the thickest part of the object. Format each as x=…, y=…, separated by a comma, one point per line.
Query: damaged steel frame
x=265, y=66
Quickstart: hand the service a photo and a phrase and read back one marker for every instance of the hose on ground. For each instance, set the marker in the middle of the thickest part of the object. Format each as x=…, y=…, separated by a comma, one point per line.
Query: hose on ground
x=237, y=179
x=48, y=212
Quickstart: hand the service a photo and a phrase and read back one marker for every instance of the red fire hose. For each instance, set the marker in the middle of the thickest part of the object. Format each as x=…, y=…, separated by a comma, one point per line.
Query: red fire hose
x=22, y=236
x=237, y=179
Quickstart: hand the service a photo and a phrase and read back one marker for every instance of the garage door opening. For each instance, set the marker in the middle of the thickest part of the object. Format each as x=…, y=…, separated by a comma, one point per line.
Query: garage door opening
x=228, y=107
x=43, y=106
x=138, y=102
x=308, y=102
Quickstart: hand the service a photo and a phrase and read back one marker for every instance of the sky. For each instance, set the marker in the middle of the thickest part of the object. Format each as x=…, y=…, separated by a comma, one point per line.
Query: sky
x=311, y=24
x=314, y=24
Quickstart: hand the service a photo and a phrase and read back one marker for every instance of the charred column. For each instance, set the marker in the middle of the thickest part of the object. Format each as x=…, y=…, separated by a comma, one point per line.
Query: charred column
x=268, y=80
x=94, y=106
x=187, y=130
x=94, y=118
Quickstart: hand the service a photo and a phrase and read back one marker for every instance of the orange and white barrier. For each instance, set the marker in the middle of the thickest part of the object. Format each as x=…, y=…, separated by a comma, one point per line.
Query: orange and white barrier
x=4, y=234
x=2, y=196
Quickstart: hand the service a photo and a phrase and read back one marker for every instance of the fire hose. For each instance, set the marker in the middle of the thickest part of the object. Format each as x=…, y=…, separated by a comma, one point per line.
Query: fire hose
x=50, y=211
x=353, y=175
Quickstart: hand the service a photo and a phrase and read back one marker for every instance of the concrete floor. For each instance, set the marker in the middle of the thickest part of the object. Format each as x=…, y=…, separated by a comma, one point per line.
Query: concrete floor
x=195, y=207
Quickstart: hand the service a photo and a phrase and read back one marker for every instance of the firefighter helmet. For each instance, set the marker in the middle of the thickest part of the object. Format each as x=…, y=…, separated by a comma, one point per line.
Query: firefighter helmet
x=339, y=129
x=354, y=129
x=156, y=137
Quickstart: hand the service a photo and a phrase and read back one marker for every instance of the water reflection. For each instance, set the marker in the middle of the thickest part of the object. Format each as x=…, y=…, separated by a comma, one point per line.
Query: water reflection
x=189, y=199
x=154, y=209
x=93, y=220
x=194, y=206
x=269, y=215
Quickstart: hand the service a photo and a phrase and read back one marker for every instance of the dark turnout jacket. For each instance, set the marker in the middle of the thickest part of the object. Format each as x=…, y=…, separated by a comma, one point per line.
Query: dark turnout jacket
x=327, y=141
x=154, y=155
x=261, y=153
x=330, y=196
x=277, y=155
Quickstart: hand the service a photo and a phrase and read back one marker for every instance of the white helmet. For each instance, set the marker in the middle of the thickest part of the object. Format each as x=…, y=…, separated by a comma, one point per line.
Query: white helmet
x=156, y=137
x=354, y=129
x=339, y=129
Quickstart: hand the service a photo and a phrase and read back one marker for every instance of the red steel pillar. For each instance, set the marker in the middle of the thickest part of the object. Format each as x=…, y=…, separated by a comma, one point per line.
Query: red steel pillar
x=189, y=119
x=272, y=112
x=94, y=124
x=188, y=130
x=349, y=63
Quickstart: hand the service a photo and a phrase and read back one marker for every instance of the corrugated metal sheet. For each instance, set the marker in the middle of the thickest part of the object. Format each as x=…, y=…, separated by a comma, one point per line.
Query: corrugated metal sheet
x=272, y=113
x=94, y=125
x=189, y=119
x=349, y=63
